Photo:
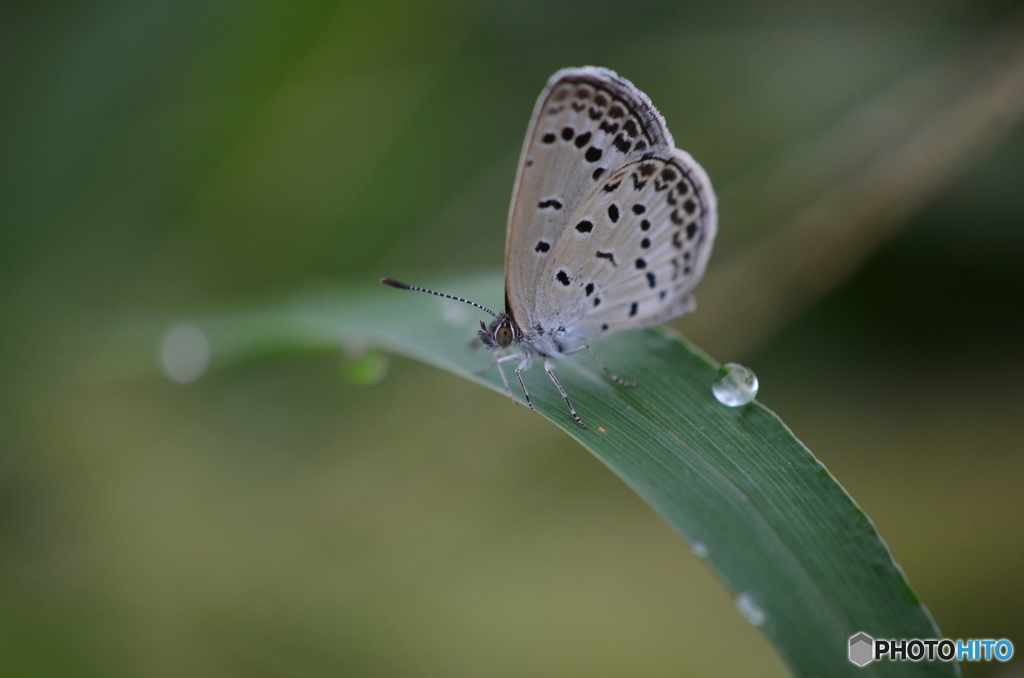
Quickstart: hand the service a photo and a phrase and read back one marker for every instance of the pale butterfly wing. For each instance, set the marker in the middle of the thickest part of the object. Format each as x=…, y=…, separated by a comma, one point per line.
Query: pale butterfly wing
x=644, y=245
x=611, y=226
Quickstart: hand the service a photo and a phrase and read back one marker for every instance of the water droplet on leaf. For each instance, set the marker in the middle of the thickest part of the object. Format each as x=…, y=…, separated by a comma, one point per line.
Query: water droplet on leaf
x=367, y=369
x=185, y=353
x=734, y=385
x=750, y=610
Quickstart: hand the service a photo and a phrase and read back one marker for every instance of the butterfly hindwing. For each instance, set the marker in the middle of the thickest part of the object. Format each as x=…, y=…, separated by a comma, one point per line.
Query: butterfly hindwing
x=654, y=224
x=611, y=226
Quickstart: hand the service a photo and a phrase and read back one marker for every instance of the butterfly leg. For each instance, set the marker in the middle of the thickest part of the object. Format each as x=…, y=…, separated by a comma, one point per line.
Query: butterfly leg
x=525, y=364
x=504, y=380
x=565, y=396
x=614, y=377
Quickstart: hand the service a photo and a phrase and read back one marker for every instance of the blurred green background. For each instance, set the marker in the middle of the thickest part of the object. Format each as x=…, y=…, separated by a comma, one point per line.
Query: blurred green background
x=165, y=160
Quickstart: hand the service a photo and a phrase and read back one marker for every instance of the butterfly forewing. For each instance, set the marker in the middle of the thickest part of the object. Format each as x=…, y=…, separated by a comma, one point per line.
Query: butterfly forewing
x=610, y=226
x=586, y=123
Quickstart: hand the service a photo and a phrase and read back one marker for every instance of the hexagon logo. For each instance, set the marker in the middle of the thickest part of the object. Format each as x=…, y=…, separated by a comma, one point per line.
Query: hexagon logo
x=862, y=648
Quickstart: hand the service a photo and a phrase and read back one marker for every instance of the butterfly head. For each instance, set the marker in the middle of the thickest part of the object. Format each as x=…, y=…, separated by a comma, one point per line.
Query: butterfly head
x=500, y=334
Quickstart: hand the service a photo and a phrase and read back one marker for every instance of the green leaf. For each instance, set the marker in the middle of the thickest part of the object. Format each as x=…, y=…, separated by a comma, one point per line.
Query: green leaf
x=803, y=561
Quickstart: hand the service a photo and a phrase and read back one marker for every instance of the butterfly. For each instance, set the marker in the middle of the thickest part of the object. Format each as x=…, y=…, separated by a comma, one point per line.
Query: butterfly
x=610, y=228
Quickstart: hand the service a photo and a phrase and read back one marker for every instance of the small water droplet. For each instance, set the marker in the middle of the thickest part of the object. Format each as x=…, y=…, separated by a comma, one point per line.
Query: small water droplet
x=734, y=385
x=367, y=369
x=750, y=609
x=700, y=549
x=185, y=353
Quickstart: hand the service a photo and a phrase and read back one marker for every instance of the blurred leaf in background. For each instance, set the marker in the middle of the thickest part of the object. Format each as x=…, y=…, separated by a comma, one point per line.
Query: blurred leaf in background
x=161, y=160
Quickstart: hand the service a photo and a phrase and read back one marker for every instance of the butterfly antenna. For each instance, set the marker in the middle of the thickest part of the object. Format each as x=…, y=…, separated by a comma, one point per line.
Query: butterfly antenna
x=403, y=286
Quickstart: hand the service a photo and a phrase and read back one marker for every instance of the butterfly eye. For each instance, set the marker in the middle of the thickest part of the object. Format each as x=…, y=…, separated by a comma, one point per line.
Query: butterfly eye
x=503, y=335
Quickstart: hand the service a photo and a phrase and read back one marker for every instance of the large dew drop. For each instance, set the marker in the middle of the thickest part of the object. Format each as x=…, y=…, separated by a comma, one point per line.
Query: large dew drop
x=734, y=385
